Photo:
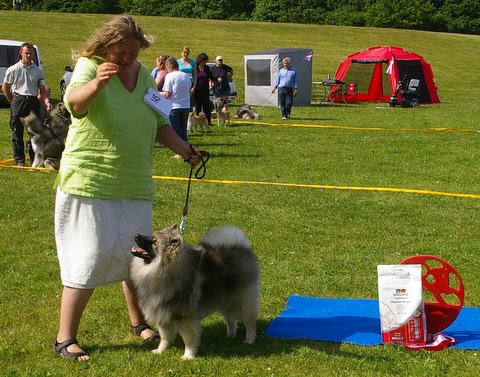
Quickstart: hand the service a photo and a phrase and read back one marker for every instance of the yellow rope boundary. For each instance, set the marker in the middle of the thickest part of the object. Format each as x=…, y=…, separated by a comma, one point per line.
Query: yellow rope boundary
x=7, y=164
x=283, y=184
x=328, y=187
x=352, y=128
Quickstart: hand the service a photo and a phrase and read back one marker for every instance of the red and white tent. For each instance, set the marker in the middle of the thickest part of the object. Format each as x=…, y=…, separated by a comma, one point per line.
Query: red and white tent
x=375, y=72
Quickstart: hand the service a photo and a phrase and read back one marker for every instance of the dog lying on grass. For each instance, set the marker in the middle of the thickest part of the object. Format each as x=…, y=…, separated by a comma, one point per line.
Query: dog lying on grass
x=245, y=111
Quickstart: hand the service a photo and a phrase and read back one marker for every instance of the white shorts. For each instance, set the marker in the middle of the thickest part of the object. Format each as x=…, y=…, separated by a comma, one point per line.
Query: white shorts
x=94, y=237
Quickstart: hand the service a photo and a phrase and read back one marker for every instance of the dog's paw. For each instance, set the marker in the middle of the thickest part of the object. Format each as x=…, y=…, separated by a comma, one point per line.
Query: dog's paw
x=188, y=356
x=250, y=337
x=250, y=340
x=161, y=347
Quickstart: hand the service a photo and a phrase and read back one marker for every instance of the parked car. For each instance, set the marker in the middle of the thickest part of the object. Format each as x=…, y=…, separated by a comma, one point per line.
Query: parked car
x=9, y=55
x=65, y=80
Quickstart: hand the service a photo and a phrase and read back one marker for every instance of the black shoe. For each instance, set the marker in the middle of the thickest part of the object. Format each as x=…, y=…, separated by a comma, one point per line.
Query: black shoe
x=137, y=330
x=61, y=350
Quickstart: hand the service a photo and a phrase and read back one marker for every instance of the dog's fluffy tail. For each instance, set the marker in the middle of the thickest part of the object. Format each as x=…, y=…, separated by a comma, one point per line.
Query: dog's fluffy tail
x=227, y=236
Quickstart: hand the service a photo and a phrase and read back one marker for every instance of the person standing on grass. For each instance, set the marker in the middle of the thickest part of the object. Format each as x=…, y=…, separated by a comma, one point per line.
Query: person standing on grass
x=187, y=65
x=17, y=4
x=222, y=74
x=24, y=87
x=287, y=85
x=201, y=96
x=160, y=71
x=176, y=88
x=105, y=187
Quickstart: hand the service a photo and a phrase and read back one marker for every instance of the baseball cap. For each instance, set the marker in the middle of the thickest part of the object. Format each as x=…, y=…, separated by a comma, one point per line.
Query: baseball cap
x=219, y=57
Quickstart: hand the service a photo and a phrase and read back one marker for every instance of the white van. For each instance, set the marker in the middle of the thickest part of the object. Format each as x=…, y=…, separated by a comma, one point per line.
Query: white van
x=9, y=55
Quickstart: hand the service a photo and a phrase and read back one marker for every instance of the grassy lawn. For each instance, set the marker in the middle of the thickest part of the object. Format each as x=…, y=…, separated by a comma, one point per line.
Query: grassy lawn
x=313, y=241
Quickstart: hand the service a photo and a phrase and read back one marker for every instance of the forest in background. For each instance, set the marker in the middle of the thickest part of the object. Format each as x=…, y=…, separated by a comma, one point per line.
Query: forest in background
x=455, y=16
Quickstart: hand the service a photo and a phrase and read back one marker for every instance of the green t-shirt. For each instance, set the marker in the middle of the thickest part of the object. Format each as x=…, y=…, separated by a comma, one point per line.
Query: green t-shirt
x=108, y=150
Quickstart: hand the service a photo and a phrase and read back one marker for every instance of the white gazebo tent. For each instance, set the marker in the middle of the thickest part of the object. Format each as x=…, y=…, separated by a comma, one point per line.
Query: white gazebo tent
x=261, y=70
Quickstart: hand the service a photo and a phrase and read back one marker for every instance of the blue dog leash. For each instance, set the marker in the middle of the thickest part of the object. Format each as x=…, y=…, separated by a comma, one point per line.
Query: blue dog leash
x=199, y=174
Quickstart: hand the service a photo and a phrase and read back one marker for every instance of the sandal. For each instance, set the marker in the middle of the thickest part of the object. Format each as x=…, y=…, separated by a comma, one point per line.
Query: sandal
x=61, y=350
x=137, y=330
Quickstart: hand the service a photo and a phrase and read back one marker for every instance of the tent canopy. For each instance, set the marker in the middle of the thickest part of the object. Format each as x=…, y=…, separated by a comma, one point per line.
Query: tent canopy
x=377, y=71
x=261, y=70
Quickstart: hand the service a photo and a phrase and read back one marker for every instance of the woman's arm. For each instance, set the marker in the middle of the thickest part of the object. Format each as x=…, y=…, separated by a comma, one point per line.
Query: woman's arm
x=168, y=137
x=80, y=98
x=194, y=73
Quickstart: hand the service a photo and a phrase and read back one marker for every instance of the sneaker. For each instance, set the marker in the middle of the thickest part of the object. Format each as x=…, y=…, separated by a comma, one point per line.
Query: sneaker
x=284, y=118
x=21, y=164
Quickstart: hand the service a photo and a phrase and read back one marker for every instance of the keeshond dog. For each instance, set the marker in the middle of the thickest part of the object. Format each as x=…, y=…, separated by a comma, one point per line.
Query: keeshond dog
x=246, y=111
x=178, y=284
x=47, y=135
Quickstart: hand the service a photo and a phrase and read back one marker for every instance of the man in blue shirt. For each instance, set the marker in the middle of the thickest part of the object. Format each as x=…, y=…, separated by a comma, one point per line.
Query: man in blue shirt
x=287, y=85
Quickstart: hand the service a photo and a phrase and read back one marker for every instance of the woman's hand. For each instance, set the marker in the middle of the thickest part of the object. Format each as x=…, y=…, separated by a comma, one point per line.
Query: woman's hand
x=194, y=157
x=105, y=71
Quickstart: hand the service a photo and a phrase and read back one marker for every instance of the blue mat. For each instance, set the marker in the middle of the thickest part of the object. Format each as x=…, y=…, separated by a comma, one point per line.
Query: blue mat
x=356, y=321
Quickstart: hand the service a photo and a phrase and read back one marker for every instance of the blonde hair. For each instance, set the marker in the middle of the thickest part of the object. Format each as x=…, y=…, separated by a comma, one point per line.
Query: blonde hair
x=117, y=30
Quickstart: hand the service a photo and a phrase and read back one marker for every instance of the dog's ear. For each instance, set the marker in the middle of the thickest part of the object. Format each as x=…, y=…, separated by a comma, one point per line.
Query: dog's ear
x=173, y=245
x=32, y=122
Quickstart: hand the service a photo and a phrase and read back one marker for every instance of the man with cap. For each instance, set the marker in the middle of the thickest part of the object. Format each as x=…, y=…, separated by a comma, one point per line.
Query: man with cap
x=222, y=73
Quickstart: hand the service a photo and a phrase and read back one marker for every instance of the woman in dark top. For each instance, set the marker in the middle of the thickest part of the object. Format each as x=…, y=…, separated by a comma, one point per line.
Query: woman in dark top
x=201, y=99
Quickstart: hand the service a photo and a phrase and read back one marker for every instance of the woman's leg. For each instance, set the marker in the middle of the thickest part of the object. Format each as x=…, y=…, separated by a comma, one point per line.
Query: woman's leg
x=207, y=109
x=134, y=311
x=197, y=102
x=177, y=122
x=73, y=304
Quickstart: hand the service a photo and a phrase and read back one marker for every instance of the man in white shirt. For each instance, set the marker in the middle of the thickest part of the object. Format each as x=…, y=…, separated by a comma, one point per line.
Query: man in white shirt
x=23, y=82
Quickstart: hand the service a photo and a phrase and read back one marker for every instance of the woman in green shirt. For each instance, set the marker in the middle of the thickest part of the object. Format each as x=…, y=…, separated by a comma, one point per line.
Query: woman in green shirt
x=105, y=187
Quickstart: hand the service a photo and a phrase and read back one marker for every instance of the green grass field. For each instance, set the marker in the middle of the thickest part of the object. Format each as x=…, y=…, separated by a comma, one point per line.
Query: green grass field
x=311, y=241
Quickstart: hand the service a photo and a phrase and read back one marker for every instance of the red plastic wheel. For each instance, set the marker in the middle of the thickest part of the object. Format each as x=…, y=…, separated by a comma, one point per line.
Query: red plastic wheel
x=437, y=279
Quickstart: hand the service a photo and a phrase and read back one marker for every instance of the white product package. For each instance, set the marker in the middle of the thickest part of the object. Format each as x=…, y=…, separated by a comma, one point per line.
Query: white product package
x=402, y=313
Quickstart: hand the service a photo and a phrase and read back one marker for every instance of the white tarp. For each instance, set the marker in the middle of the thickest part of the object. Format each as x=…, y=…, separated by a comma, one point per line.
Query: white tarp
x=261, y=70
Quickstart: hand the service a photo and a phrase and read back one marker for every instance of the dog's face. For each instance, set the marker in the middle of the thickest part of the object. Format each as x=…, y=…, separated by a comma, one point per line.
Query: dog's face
x=164, y=244
x=219, y=103
x=202, y=120
x=58, y=120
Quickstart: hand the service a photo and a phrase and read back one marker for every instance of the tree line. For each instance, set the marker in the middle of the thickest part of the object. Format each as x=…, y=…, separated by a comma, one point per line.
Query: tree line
x=456, y=16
